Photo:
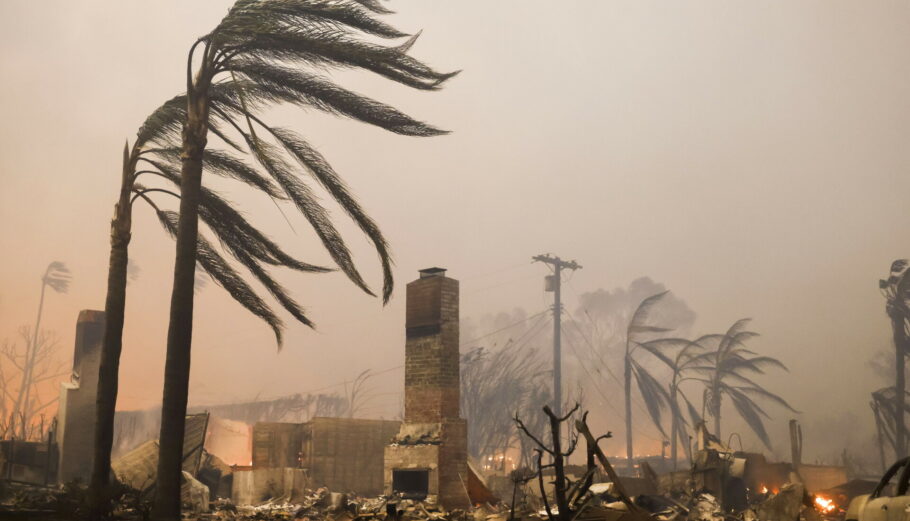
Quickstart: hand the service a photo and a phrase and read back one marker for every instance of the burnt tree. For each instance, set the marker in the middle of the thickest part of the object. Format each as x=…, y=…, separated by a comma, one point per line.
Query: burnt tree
x=571, y=497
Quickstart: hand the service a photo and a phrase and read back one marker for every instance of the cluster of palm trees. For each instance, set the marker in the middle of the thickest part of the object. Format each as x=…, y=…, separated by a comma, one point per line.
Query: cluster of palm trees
x=262, y=54
x=720, y=365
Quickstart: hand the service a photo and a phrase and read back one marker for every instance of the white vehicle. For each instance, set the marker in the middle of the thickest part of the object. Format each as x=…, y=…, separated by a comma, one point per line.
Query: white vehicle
x=889, y=501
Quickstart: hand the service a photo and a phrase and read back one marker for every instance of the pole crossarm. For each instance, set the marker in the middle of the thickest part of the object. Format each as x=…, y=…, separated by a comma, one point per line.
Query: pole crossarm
x=556, y=261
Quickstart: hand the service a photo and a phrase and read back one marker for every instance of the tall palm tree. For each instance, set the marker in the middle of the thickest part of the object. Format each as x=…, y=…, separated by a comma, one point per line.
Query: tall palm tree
x=157, y=157
x=728, y=371
x=248, y=62
x=653, y=393
x=896, y=290
x=57, y=277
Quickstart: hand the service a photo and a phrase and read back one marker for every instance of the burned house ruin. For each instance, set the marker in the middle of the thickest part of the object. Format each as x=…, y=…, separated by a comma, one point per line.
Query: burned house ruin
x=428, y=456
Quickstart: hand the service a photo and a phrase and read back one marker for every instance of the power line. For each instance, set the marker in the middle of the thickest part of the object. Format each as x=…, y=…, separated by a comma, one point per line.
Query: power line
x=522, y=321
x=389, y=369
x=594, y=381
x=494, y=272
x=635, y=427
x=529, y=331
x=633, y=398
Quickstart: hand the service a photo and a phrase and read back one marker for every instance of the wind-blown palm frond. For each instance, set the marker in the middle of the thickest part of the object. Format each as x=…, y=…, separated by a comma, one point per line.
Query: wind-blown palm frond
x=760, y=392
x=750, y=412
x=736, y=334
x=638, y=322
x=221, y=271
x=322, y=46
x=694, y=416
x=375, y=6
x=225, y=276
x=306, y=201
x=325, y=174
x=305, y=13
x=245, y=243
x=659, y=346
x=234, y=231
x=225, y=165
x=725, y=372
x=757, y=364
x=653, y=393
x=57, y=276
x=164, y=124
x=296, y=86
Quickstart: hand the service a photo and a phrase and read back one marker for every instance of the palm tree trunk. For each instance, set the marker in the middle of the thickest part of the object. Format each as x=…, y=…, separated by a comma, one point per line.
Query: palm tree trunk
x=627, y=373
x=20, y=410
x=31, y=366
x=674, y=423
x=166, y=506
x=716, y=413
x=112, y=344
x=900, y=384
x=878, y=429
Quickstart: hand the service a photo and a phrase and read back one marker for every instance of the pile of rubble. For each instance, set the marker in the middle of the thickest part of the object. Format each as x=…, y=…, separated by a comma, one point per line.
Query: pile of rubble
x=323, y=505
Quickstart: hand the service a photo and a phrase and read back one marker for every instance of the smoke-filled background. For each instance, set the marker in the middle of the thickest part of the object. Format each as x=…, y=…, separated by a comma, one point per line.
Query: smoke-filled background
x=750, y=157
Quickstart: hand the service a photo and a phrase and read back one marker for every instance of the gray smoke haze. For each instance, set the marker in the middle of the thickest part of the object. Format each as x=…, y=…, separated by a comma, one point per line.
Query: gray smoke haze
x=751, y=157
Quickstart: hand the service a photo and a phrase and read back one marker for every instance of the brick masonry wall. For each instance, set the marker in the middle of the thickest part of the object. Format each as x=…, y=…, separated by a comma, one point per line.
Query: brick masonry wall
x=347, y=454
x=453, y=465
x=276, y=444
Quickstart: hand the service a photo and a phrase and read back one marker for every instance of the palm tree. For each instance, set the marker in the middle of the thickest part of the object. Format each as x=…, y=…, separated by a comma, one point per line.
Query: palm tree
x=728, y=370
x=682, y=363
x=157, y=156
x=57, y=277
x=895, y=290
x=652, y=391
x=244, y=65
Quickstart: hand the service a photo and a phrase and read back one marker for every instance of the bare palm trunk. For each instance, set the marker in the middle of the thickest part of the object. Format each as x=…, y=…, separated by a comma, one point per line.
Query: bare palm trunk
x=715, y=405
x=30, y=367
x=20, y=409
x=900, y=384
x=674, y=424
x=109, y=370
x=627, y=373
x=166, y=505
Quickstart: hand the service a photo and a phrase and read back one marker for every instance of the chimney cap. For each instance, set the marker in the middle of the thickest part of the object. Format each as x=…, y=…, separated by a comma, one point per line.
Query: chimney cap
x=432, y=272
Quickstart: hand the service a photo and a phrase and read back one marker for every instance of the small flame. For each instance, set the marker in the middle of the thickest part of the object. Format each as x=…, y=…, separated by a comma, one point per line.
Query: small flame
x=824, y=504
x=764, y=489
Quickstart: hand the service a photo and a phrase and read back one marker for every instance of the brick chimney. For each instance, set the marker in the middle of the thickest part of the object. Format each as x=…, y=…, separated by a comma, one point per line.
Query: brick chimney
x=431, y=375
x=428, y=457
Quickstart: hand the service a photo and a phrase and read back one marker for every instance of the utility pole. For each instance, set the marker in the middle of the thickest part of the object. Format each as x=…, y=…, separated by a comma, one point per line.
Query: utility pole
x=554, y=284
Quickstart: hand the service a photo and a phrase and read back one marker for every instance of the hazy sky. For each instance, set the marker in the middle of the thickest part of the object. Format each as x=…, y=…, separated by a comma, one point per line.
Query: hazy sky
x=751, y=156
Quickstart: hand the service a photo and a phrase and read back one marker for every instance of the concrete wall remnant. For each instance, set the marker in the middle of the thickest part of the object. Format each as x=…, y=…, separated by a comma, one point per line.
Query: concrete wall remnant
x=258, y=485
x=76, y=412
